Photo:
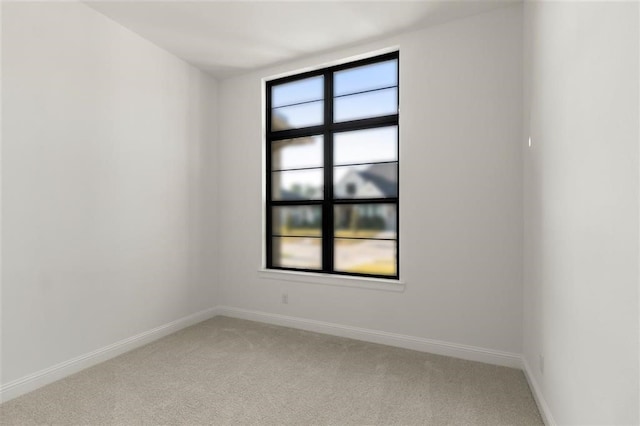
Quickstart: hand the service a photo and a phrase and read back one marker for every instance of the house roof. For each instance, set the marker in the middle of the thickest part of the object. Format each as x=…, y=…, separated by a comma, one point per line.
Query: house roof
x=384, y=176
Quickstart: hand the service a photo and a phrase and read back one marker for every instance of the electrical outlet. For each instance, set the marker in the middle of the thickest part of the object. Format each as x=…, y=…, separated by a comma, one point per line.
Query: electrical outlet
x=285, y=298
x=541, y=363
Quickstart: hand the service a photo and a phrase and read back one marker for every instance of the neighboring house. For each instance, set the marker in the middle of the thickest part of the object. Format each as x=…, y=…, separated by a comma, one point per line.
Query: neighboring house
x=375, y=181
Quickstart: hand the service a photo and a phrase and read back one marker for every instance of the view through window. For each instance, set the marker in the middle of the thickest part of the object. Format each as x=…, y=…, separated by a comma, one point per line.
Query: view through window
x=332, y=169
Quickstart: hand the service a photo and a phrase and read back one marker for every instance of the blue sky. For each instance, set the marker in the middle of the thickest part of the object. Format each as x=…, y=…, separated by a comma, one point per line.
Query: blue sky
x=349, y=147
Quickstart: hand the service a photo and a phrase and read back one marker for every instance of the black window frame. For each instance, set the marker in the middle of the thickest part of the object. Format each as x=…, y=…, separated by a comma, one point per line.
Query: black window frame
x=327, y=130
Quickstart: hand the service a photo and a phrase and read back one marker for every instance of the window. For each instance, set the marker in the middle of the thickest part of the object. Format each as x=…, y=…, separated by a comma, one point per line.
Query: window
x=332, y=170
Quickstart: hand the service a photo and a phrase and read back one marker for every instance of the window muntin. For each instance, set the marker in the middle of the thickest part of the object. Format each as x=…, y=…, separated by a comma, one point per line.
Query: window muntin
x=332, y=170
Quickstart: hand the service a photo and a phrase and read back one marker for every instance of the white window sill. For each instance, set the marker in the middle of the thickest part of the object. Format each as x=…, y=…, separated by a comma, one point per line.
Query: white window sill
x=334, y=280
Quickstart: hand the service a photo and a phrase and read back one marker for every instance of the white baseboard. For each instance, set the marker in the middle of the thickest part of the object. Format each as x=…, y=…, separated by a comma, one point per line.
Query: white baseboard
x=41, y=378
x=545, y=412
x=455, y=350
x=49, y=375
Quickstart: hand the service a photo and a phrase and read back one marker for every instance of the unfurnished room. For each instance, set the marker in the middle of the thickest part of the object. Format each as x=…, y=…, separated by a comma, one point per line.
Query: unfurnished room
x=320, y=212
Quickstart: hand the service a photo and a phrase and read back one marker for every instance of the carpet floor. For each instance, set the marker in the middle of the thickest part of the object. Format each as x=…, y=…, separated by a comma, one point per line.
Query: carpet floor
x=230, y=371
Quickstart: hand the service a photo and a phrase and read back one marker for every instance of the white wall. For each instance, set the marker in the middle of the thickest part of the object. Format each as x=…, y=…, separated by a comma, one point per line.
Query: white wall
x=460, y=188
x=107, y=187
x=581, y=209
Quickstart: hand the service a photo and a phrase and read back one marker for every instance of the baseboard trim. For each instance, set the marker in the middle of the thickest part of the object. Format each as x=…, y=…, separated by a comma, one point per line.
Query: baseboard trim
x=471, y=353
x=545, y=412
x=41, y=378
x=49, y=375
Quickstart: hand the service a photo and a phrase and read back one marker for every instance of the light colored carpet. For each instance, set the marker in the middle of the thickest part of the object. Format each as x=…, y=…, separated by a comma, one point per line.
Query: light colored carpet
x=230, y=371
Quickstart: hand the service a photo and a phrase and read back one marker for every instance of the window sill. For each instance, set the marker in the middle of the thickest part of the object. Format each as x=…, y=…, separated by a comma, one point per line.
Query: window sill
x=333, y=280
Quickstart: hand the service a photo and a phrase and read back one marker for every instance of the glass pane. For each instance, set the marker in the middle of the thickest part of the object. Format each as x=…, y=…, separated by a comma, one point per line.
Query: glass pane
x=365, y=105
x=366, y=181
x=376, y=257
x=296, y=252
x=309, y=89
x=367, y=77
x=365, y=221
x=366, y=146
x=297, y=116
x=297, y=153
x=303, y=221
x=297, y=185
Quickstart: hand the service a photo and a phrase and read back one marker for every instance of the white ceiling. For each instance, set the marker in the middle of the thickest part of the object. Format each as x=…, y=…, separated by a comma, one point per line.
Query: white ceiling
x=230, y=37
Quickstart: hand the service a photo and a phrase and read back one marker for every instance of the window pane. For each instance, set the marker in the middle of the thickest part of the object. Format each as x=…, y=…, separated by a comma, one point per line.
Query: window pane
x=367, y=77
x=309, y=89
x=366, y=146
x=297, y=116
x=299, y=220
x=297, y=153
x=360, y=161
x=365, y=105
x=365, y=221
x=295, y=252
x=376, y=257
x=297, y=185
x=378, y=180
